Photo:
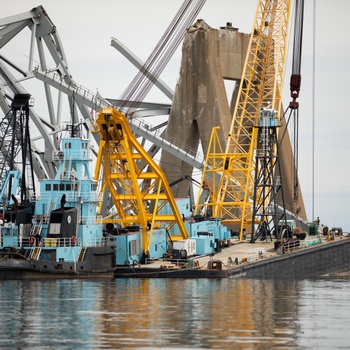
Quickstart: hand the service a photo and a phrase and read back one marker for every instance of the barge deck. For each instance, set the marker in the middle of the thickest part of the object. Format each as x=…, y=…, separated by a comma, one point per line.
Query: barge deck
x=316, y=256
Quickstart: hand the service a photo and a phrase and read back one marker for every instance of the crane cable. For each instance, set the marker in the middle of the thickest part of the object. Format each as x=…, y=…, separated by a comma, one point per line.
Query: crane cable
x=295, y=79
x=313, y=106
x=296, y=67
x=295, y=82
x=148, y=74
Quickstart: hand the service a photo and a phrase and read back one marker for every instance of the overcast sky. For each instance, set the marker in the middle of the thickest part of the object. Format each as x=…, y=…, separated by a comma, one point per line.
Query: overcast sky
x=85, y=28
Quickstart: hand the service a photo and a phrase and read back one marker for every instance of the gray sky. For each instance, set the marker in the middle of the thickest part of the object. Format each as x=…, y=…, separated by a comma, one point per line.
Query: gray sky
x=85, y=28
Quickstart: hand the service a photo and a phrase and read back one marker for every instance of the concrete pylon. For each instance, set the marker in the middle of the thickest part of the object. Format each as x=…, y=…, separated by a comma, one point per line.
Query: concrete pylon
x=209, y=58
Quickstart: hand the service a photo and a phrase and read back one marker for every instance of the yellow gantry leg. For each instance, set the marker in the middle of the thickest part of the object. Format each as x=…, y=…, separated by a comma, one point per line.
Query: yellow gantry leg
x=137, y=195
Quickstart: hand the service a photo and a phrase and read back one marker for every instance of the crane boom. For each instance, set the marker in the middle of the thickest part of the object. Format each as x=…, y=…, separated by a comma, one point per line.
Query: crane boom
x=261, y=85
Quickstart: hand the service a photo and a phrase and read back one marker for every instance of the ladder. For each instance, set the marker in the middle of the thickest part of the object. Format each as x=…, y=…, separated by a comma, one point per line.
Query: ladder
x=264, y=137
x=36, y=228
x=52, y=205
x=82, y=254
x=35, y=252
x=67, y=169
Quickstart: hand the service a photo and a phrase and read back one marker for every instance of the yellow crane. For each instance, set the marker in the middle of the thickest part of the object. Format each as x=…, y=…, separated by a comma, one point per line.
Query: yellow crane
x=230, y=173
x=140, y=197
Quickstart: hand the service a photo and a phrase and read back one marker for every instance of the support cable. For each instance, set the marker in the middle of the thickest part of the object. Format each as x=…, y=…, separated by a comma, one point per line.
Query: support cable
x=295, y=82
x=155, y=64
x=295, y=79
x=313, y=107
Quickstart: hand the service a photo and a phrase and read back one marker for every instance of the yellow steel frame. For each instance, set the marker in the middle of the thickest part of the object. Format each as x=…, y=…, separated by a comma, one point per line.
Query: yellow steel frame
x=137, y=195
x=261, y=85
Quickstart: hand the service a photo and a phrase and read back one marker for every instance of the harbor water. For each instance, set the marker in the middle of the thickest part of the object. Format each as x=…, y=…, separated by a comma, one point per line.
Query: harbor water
x=175, y=314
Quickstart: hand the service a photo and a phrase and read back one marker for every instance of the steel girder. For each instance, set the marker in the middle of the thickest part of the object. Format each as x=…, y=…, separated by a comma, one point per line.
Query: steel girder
x=59, y=84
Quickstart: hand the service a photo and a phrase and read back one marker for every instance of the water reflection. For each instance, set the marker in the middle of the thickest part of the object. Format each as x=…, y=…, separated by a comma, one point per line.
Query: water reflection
x=156, y=313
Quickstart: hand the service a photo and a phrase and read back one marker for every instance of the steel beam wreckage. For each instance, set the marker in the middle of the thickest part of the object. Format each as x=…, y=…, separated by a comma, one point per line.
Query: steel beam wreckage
x=125, y=215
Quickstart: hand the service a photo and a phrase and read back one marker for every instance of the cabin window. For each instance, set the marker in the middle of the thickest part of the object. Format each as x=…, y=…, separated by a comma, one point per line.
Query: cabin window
x=67, y=145
x=48, y=187
x=61, y=187
x=93, y=187
x=55, y=187
x=68, y=187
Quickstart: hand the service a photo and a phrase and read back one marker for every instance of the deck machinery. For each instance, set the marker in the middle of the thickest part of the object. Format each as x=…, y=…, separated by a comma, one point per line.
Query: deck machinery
x=148, y=222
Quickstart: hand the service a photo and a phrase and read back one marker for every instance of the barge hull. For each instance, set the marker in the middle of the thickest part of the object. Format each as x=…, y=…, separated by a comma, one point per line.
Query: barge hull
x=313, y=262
x=97, y=263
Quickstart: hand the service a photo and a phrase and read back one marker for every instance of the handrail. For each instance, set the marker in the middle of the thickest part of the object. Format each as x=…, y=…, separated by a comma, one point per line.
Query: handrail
x=46, y=242
x=97, y=102
x=176, y=144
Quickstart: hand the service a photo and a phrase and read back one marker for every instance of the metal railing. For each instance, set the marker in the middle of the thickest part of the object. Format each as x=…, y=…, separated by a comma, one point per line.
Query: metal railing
x=167, y=262
x=72, y=196
x=57, y=242
x=84, y=154
x=175, y=143
x=97, y=102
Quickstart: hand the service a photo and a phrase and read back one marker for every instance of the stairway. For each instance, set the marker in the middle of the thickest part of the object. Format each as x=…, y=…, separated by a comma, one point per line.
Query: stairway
x=82, y=254
x=35, y=253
